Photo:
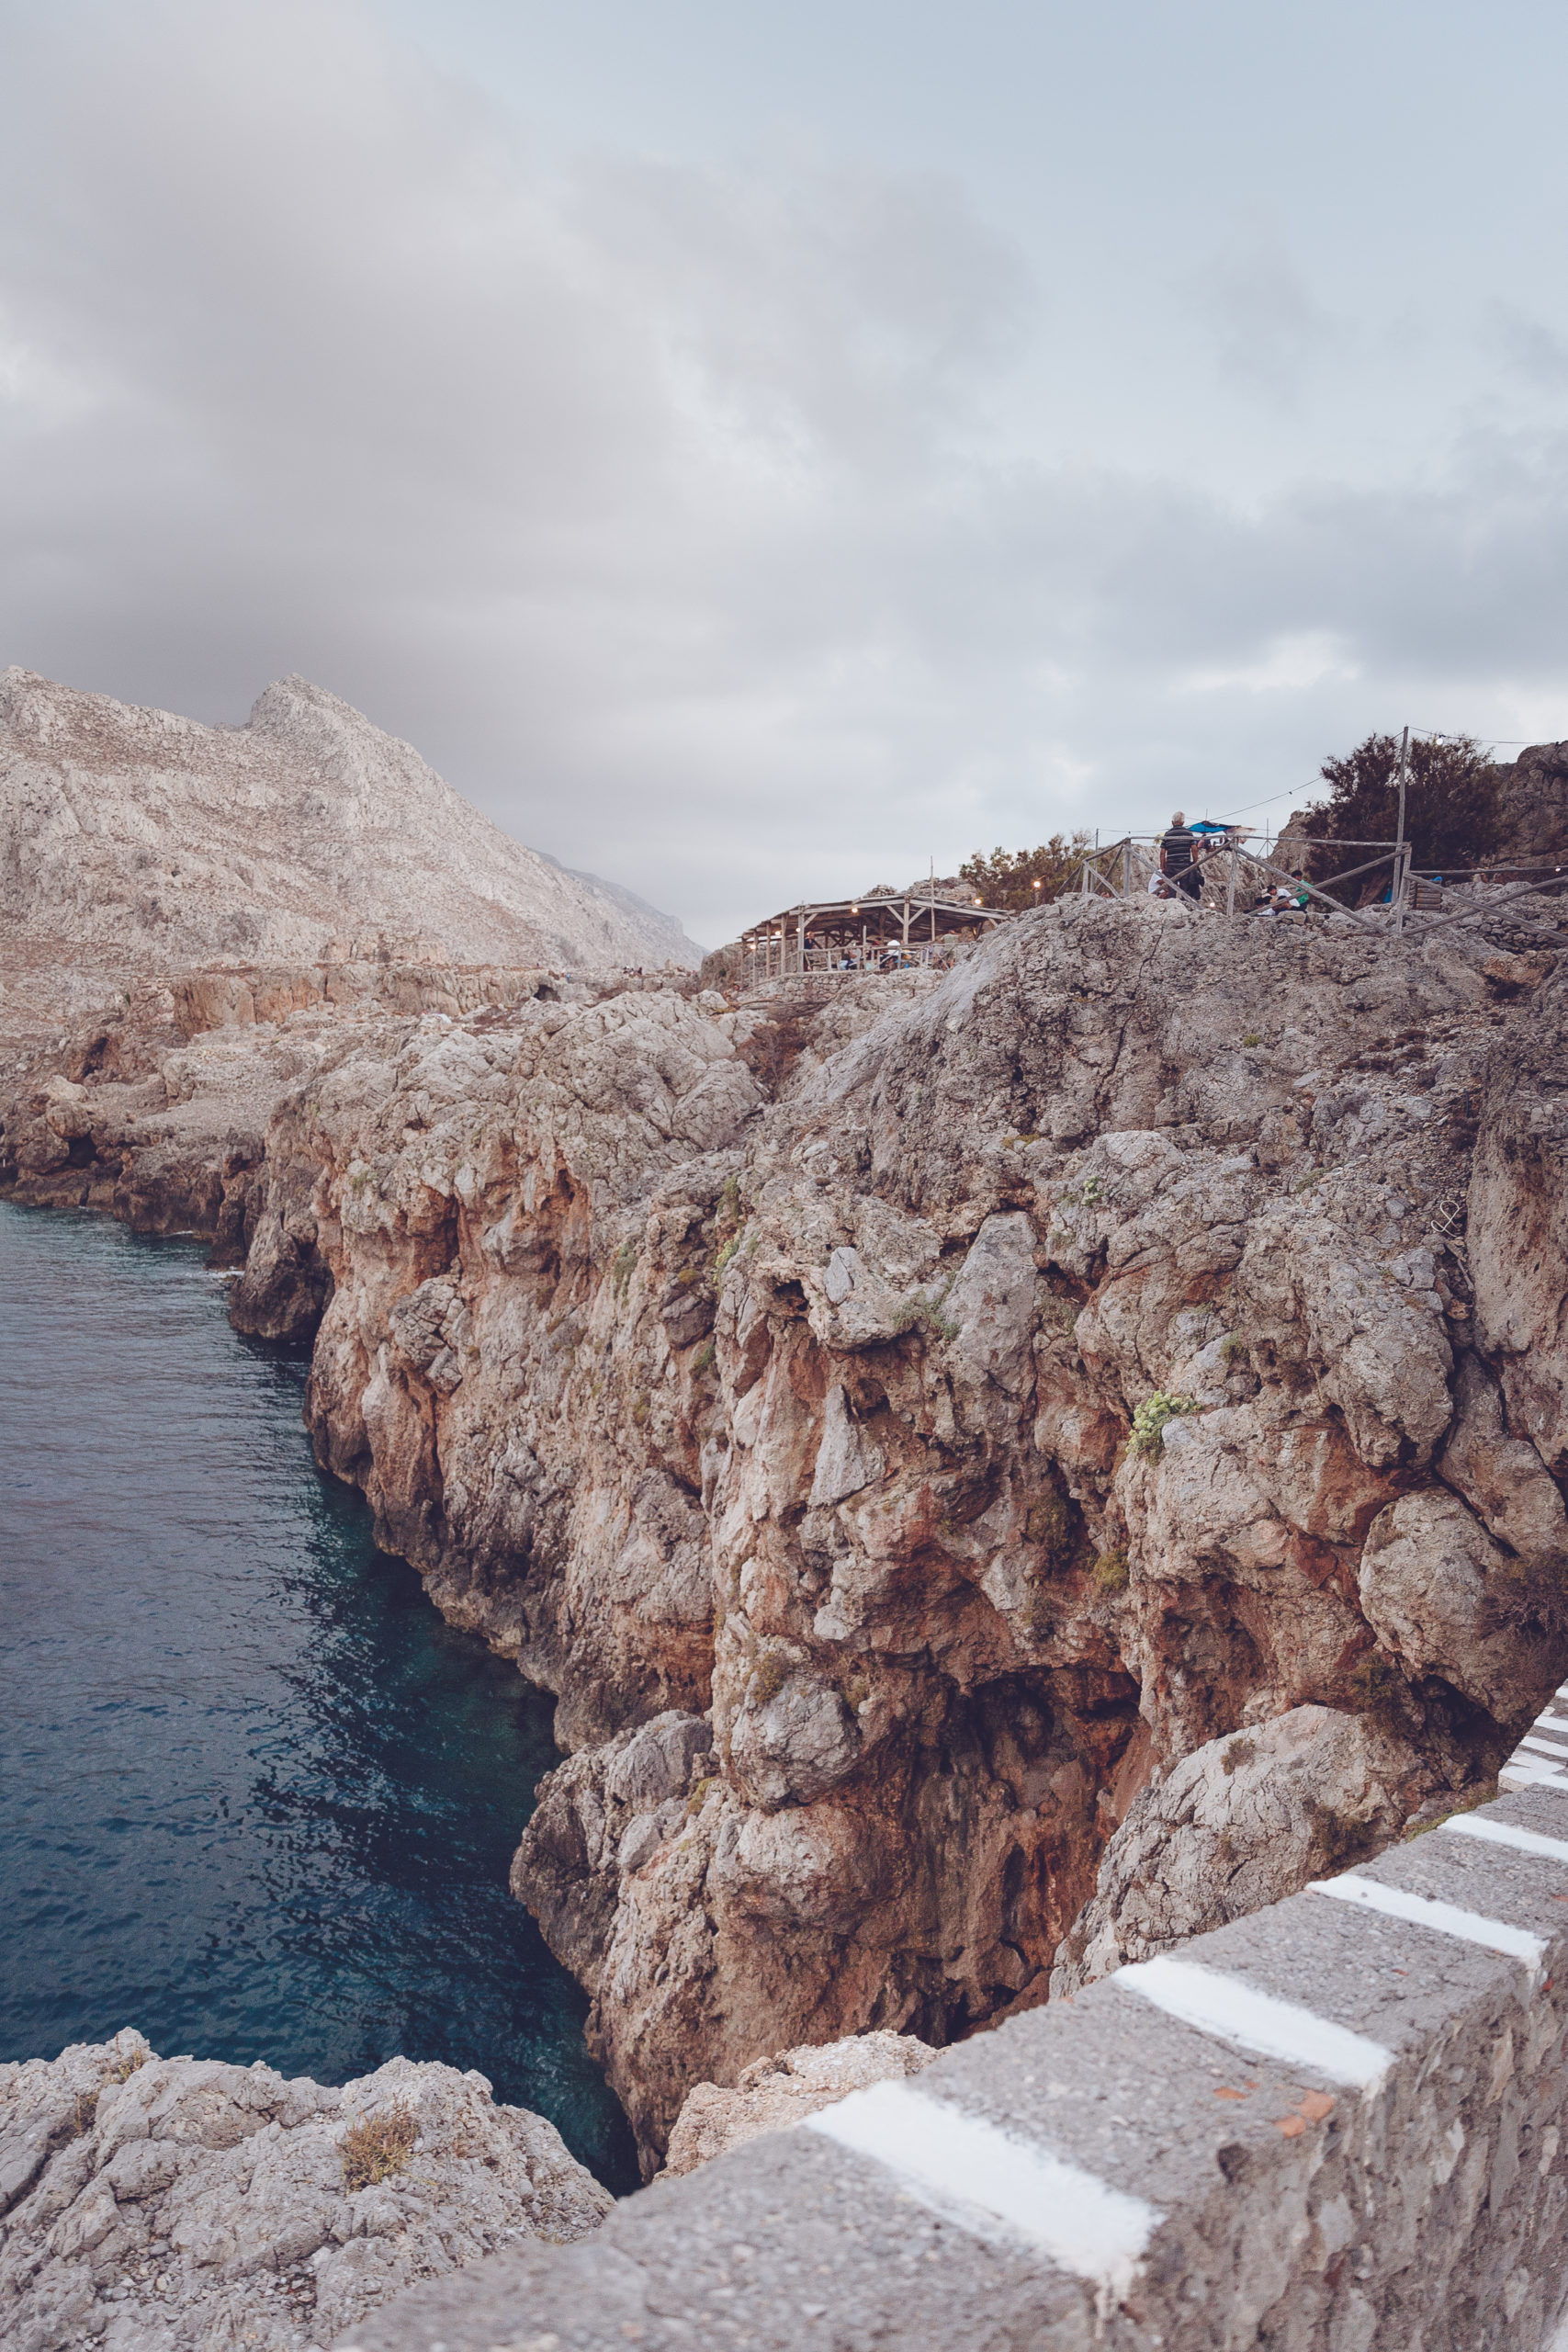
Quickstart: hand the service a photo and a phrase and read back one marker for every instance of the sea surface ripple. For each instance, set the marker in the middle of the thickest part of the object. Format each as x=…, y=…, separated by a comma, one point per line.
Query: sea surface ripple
x=256, y=1797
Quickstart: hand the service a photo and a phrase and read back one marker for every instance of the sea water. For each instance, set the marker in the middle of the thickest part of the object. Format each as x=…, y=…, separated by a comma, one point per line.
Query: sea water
x=256, y=1797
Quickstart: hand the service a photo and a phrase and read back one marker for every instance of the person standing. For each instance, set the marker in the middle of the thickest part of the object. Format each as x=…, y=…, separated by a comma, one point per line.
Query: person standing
x=1178, y=858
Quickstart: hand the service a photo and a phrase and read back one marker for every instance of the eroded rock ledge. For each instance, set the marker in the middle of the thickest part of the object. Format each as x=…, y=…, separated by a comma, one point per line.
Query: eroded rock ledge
x=180, y=2205
x=1001, y=1472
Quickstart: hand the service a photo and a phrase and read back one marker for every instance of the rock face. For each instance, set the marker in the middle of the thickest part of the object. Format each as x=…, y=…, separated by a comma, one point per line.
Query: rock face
x=133, y=843
x=179, y=2205
x=1533, y=802
x=779, y=2092
x=993, y=1466
x=1239, y=1823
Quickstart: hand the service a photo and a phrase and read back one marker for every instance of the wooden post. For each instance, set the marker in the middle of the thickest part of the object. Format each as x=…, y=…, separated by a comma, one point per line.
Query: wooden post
x=1127, y=867
x=1230, y=881
x=1399, y=857
x=802, y=938
x=906, y=926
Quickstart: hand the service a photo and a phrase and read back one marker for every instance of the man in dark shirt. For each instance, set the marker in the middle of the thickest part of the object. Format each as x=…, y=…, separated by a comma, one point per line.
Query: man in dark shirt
x=1178, y=857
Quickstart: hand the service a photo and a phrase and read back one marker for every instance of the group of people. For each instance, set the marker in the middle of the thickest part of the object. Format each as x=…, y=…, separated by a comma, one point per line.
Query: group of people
x=1182, y=852
x=884, y=957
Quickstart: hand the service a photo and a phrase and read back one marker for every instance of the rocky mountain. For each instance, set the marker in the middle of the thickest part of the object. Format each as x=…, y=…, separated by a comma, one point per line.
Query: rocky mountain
x=134, y=843
x=1001, y=1470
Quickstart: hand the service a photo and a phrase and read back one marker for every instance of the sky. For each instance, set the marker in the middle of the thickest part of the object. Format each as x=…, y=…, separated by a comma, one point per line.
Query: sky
x=758, y=452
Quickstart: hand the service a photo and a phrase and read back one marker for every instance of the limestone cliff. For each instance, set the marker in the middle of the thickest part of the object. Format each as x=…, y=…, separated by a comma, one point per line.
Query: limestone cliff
x=136, y=842
x=1000, y=1470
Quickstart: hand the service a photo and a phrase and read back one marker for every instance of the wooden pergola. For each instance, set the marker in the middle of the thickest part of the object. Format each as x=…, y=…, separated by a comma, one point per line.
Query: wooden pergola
x=838, y=934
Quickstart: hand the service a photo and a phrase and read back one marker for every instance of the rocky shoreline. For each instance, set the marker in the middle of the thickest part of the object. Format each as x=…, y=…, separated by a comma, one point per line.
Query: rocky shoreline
x=180, y=2205
x=1001, y=1472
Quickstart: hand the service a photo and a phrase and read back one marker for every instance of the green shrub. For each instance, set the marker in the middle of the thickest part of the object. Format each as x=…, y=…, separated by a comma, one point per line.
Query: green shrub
x=1150, y=1419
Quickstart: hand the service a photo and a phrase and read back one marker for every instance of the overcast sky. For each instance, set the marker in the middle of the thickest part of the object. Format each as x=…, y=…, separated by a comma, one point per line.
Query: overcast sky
x=751, y=449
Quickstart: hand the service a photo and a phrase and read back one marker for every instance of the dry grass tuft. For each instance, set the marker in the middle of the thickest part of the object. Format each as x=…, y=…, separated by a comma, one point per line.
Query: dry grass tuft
x=128, y=2062
x=374, y=2149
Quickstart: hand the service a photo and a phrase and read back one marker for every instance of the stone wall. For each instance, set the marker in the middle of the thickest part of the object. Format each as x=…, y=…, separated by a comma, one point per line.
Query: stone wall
x=1338, y=2123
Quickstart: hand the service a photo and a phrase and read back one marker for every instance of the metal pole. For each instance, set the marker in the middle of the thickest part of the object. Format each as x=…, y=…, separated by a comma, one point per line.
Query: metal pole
x=1399, y=853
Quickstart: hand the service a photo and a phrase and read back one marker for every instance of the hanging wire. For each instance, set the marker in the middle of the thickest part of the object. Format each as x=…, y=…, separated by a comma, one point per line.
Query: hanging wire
x=1452, y=735
x=1315, y=786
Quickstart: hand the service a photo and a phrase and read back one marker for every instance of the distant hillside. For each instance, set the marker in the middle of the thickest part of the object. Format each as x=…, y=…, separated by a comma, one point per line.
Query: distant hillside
x=135, y=839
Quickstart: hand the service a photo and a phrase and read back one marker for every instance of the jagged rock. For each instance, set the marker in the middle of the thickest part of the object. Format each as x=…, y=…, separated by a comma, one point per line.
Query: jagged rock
x=776, y=2093
x=1448, y=1602
x=1501, y=1477
x=1519, y=1224
x=1533, y=802
x=1240, y=1822
x=181, y=2205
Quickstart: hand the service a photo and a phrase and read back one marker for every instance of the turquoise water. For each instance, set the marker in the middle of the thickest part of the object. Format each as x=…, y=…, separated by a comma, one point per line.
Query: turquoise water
x=256, y=1797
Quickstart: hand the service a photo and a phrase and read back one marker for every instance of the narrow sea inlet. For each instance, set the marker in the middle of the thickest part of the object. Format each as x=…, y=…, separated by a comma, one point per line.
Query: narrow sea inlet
x=256, y=1797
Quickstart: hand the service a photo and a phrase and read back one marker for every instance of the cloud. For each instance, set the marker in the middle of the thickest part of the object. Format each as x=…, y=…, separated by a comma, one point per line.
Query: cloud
x=1270, y=331
x=1534, y=350
x=681, y=516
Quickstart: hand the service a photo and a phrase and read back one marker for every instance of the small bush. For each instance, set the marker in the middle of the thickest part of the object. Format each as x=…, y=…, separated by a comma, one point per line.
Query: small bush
x=1109, y=1572
x=1376, y=1682
x=1050, y=1524
x=374, y=2149
x=1150, y=1419
x=620, y=1267
x=928, y=1312
x=1239, y=1752
x=1252, y=1038
x=703, y=1360
x=771, y=1673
